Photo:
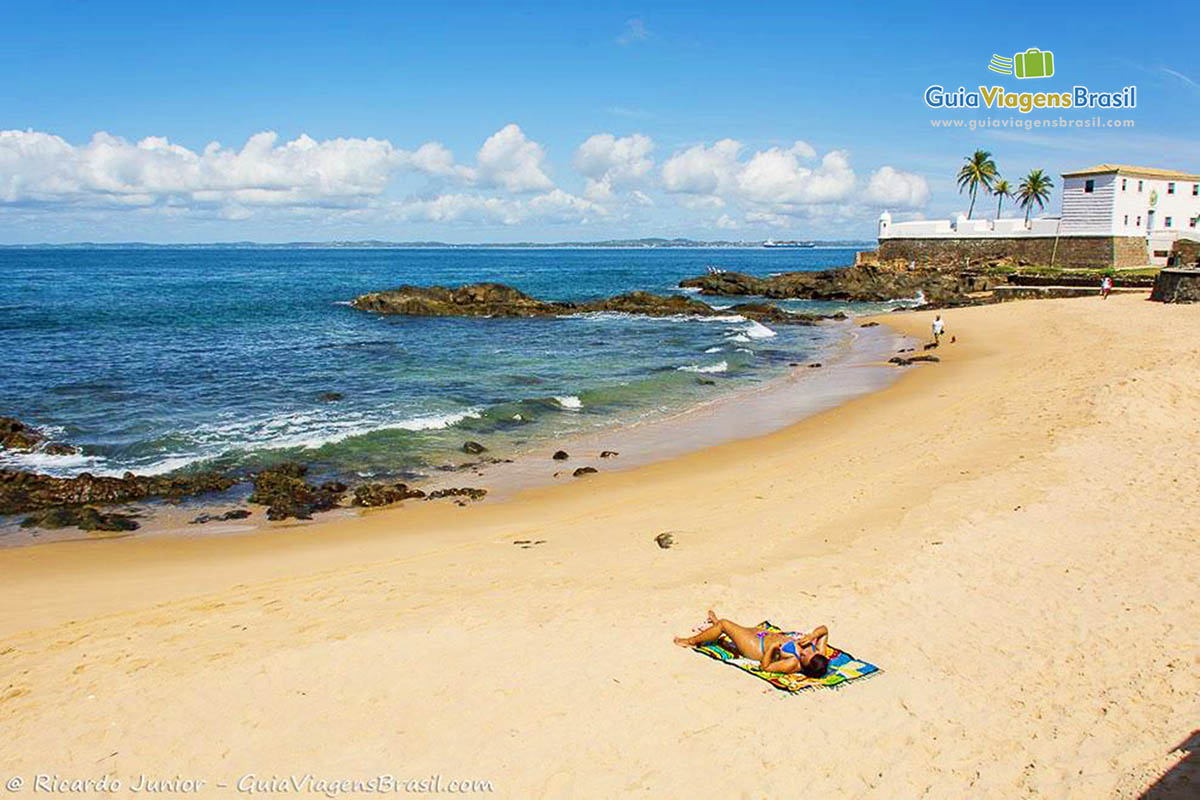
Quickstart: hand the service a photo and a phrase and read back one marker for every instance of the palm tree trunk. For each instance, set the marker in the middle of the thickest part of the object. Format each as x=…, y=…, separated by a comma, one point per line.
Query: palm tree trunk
x=999, y=203
x=974, y=189
x=1028, y=208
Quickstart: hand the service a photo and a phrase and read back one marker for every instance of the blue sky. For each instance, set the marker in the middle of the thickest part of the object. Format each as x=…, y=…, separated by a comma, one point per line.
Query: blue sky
x=468, y=122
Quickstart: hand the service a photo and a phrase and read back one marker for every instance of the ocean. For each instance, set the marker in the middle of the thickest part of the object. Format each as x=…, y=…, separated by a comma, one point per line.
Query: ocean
x=154, y=360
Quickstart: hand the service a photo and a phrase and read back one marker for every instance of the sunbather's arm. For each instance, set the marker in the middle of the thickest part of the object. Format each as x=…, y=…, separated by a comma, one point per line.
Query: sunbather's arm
x=785, y=665
x=768, y=655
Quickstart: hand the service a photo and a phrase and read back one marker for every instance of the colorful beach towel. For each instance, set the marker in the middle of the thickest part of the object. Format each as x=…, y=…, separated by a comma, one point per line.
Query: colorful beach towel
x=843, y=667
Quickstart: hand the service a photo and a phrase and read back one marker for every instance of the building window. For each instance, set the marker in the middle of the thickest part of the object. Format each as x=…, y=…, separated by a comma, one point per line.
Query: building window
x=1126, y=220
x=1195, y=189
x=1161, y=253
x=1139, y=186
x=1139, y=222
x=1089, y=186
x=1123, y=182
x=1167, y=224
x=1170, y=188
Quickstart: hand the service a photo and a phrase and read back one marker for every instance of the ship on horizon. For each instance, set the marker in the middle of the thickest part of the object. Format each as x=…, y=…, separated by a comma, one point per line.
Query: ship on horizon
x=788, y=243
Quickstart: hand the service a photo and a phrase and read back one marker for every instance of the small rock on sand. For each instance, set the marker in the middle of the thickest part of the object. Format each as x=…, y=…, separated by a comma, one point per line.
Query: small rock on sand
x=474, y=448
x=560, y=455
x=579, y=473
x=664, y=540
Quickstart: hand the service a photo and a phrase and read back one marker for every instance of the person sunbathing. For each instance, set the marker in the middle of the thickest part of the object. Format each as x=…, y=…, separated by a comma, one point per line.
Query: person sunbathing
x=776, y=652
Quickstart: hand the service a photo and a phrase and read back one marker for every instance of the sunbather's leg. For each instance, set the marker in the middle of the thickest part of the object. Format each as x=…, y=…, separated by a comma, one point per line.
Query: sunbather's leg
x=747, y=640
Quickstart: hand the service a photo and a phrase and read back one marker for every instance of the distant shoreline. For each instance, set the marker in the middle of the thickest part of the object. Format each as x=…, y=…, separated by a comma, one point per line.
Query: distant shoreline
x=620, y=244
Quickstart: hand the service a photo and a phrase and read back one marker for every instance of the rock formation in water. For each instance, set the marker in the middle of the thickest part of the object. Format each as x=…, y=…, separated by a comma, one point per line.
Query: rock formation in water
x=29, y=491
x=498, y=300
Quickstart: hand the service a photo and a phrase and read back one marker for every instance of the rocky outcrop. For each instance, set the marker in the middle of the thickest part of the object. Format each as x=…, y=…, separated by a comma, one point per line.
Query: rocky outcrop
x=473, y=448
x=498, y=300
x=465, y=492
x=384, y=494
x=1177, y=286
x=286, y=494
x=85, y=518
x=560, y=455
x=16, y=435
x=237, y=513
x=863, y=283
x=901, y=361
x=579, y=473
x=29, y=491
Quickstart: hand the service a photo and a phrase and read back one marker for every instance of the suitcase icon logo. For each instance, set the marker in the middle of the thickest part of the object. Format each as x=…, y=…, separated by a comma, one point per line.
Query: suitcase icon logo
x=1033, y=63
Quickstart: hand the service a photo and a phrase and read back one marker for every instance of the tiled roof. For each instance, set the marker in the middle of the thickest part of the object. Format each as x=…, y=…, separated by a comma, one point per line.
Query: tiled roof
x=1140, y=172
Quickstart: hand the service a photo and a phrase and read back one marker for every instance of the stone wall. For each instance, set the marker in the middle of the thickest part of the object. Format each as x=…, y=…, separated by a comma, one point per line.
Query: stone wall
x=1177, y=286
x=1072, y=251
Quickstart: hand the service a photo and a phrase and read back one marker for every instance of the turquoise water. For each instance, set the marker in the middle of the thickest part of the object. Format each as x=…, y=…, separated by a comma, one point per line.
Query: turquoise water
x=156, y=360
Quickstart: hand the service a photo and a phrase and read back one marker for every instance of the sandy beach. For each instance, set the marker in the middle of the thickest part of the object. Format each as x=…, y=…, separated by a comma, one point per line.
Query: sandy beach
x=1011, y=534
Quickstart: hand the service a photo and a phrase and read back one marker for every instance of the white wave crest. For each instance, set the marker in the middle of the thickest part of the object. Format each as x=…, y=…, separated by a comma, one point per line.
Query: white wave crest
x=720, y=366
x=569, y=401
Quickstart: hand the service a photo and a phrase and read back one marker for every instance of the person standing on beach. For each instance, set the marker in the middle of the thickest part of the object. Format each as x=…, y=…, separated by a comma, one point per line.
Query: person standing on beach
x=1106, y=287
x=939, y=328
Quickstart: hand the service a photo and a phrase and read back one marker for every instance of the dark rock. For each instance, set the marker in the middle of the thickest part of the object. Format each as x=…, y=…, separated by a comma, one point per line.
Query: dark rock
x=560, y=455
x=866, y=282
x=579, y=473
x=498, y=300
x=1176, y=285
x=664, y=540
x=609, y=454
x=29, y=491
x=329, y=397
x=814, y=365
x=60, y=449
x=286, y=493
x=473, y=448
x=16, y=435
x=869, y=325
x=469, y=493
x=84, y=517
x=793, y=363
x=706, y=381
x=930, y=345
x=384, y=494
x=237, y=513
x=901, y=361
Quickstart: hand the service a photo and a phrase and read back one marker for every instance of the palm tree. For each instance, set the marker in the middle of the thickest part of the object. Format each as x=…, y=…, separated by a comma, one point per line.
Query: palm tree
x=1001, y=190
x=979, y=170
x=1034, y=188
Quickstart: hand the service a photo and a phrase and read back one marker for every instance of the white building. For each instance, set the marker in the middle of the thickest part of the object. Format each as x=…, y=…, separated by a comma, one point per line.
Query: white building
x=1112, y=215
x=1117, y=200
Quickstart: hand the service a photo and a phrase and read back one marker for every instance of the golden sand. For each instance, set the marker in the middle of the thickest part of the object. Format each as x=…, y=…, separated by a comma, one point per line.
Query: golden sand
x=1011, y=534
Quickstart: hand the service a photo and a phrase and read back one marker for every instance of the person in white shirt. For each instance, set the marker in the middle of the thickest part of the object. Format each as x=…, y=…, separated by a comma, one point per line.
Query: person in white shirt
x=939, y=328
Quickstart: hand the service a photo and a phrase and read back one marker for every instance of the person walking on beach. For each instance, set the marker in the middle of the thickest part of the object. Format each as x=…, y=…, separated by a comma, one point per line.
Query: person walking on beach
x=1106, y=287
x=776, y=652
x=939, y=328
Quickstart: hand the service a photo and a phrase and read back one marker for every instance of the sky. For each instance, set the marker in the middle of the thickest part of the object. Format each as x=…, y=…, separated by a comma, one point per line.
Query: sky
x=489, y=122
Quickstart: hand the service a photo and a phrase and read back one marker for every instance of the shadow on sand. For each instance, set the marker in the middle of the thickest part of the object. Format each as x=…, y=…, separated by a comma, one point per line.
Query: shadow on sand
x=1183, y=779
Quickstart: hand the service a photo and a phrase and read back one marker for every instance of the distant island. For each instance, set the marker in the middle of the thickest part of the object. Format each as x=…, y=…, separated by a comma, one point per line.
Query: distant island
x=375, y=244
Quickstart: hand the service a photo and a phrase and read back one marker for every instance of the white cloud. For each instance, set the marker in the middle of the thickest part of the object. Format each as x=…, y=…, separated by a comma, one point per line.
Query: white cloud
x=110, y=171
x=510, y=160
x=890, y=187
x=776, y=177
x=703, y=170
x=609, y=162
